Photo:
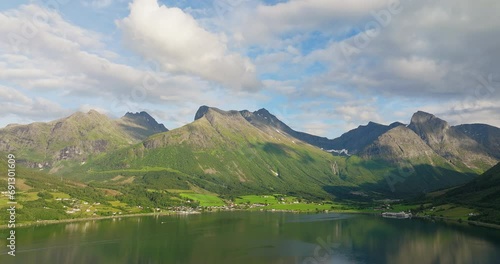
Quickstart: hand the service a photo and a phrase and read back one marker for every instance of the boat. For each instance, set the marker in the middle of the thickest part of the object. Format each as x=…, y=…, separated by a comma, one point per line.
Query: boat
x=400, y=215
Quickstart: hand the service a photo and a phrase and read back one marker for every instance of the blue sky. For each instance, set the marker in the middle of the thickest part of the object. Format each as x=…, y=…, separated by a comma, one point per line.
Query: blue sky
x=321, y=66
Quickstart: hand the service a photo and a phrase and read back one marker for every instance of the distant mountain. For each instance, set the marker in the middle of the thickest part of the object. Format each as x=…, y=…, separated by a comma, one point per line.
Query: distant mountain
x=224, y=153
x=266, y=121
x=353, y=141
x=74, y=137
x=464, y=148
x=237, y=152
x=486, y=135
x=357, y=139
x=140, y=125
x=452, y=143
x=417, y=165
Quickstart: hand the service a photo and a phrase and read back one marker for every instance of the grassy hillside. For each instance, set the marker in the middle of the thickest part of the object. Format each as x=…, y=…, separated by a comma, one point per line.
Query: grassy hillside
x=74, y=138
x=41, y=196
x=478, y=200
x=223, y=153
x=482, y=193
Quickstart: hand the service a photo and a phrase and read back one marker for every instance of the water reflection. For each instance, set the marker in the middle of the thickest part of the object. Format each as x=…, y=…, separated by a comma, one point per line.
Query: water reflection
x=244, y=237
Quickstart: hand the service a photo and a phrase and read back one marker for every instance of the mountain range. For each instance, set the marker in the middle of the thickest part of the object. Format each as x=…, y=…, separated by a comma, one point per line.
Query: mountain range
x=75, y=137
x=237, y=152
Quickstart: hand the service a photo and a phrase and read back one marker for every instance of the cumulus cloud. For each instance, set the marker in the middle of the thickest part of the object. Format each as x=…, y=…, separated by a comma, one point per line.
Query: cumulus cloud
x=415, y=68
x=182, y=45
x=428, y=50
x=269, y=21
x=73, y=66
x=437, y=56
x=16, y=103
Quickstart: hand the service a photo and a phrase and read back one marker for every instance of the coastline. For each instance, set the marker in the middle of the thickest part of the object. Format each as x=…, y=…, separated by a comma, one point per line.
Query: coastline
x=464, y=222
x=49, y=222
x=72, y=220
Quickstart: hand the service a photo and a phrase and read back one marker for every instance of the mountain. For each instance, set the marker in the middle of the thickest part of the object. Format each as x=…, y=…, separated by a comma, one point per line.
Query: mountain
x=428, y=140
x=486, y=135
x=242, y=152
x=266, y=121
x=482, y=193
x=238, y=152
x=74, y=137
x=429, y=152
x=353, y=141
x=452, y=143
x=140, y=125
x=357, y=139
x=225, y=153
x=418, y=165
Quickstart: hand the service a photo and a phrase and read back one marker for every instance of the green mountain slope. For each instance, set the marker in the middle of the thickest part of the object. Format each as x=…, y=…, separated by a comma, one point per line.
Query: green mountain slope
x=43, y=196
x=74, y=138
x=222, y=152
x=483, y=191
x=481, y=195
x=353, y=141
x=230, y=152
x=242, y=152
x=465, y=147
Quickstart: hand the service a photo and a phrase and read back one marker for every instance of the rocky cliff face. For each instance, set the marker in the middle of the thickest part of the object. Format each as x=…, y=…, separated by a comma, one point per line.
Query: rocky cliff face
x=485, y=135
x=140, y=125
x=429, y=128
x=451, y=143
x=399, y=144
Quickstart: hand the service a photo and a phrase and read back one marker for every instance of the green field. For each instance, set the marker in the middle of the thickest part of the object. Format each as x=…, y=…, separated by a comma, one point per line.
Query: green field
x=256, y=199
x=450, y=211
x=302, y=207
x=204, y=199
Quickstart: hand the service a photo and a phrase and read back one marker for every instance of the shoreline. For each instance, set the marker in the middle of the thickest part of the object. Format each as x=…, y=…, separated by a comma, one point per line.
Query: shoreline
x=49, y=222
x=72, y=220
x=463, y=222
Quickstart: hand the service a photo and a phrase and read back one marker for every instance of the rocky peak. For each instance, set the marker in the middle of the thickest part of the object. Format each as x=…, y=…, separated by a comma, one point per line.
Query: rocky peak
x=263, y=112
x=201, y=112
x=147, y=121
x=421, y=118
x=141, y=114
x=396, y=124
x=429, y=127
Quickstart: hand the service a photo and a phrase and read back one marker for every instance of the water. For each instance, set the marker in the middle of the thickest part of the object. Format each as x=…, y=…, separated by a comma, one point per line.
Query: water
x=251, y=237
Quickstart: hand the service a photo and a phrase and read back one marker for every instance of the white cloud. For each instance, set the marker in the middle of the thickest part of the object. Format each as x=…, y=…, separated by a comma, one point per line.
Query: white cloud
x=8, y=94
x=421, y=69
x=181, y=45
x=97, y=3
x=359, y=113
x=432, y=56
x=74, y=67
x=266, y=22
x=14, y=102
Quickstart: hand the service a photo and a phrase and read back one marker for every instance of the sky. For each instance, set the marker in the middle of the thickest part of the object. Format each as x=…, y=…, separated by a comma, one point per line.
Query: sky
x=321, y=66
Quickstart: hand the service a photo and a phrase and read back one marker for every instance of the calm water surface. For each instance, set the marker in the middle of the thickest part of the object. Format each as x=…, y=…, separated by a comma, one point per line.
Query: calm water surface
x=250, y=237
